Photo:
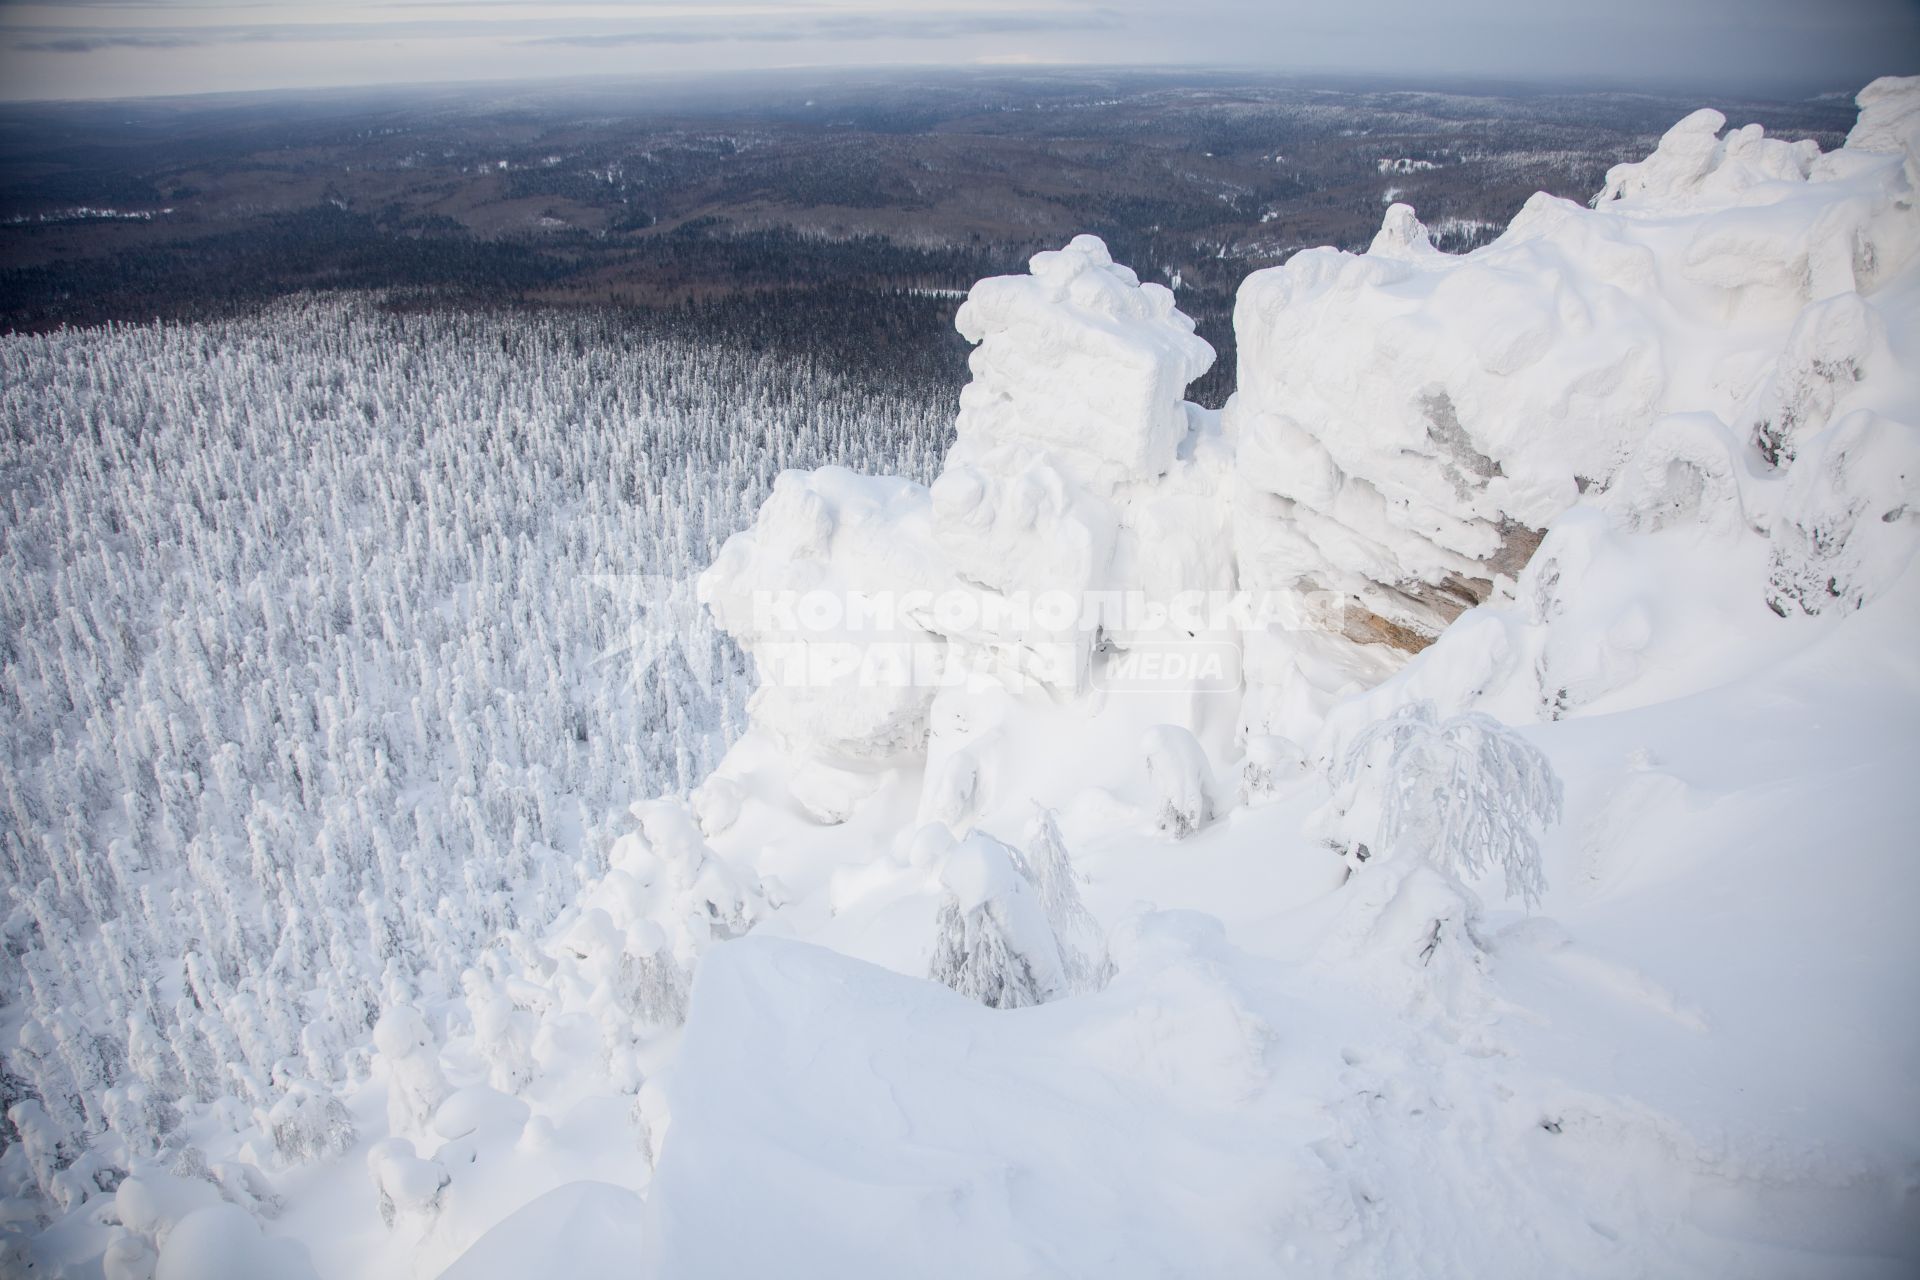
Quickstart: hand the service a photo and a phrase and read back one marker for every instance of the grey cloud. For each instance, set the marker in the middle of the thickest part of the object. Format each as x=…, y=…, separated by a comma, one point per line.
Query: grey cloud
x=825, y=27
x=1811, y=43
x=85, y=39
x=845, y=28
x=91, y=43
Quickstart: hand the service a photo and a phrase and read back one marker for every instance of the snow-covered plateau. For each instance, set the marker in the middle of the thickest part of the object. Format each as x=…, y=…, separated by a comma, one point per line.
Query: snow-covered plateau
x=1450, y=813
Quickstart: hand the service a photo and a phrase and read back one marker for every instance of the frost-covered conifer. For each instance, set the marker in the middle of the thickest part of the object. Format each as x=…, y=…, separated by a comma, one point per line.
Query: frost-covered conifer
x=1270, y=763
x=1049, y=869
x=953, y=795
x=308, y=1125
x=655, y=983
x=1466, y=794
x=502, y=1033
x=415, y=1086
x=410, y=1188
x=992, y=940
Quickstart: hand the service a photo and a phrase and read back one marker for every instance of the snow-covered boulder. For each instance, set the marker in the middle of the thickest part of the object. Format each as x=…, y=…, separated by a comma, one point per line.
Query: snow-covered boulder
x=225, y=1243
x=1081, y=359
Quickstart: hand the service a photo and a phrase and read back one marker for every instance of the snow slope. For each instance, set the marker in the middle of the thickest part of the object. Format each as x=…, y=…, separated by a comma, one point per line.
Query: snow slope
x=1503, y=866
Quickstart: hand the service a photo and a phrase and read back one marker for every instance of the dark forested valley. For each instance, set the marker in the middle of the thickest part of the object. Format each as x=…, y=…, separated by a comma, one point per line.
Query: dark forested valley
x=834, y=221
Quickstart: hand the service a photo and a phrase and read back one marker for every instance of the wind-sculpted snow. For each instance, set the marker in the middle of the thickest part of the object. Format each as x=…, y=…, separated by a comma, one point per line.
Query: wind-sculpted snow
x=1532, y=894
x=1082, y=359
x=1406, y=419
x=1077, y=467
x=1782, y=488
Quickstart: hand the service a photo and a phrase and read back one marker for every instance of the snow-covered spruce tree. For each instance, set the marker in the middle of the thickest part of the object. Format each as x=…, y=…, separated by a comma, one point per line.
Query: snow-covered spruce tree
x=953, y=796
x=653, y=983
x=415, y=1086
x=308, y=1124
x=1048, y=868
x=410, y=1188
x=992, y=940
x=1269, y=764
x=1419, y=803
x=1465, y=794
x=502, y=1034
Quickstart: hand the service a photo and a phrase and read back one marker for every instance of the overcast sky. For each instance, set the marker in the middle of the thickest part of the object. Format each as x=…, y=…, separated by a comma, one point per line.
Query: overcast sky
x=126, y=48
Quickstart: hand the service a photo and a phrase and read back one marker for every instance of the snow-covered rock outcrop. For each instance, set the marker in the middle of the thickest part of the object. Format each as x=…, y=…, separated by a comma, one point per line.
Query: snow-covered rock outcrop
x=1078, y=474
x=788, y=590
x=1407, y=421
x=1663, y=447
x=1081, y=360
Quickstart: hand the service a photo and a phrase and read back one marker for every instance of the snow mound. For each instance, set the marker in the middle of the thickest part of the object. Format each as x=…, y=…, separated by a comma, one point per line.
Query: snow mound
x=870, y=1124
x=596, y=1224
x=225, y=1243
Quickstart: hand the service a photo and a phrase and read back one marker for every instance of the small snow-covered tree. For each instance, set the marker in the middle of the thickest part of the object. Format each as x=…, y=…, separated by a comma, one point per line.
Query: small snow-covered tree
x=653, y=982
x=127, y=1257
x=1466, y=794
x=953, y=794
x=308, y=1124
x=49, y=1148
x=1047, y=866
x=992, y=941
x=502, y=1033
x=409, y=1187
x=1269, y=764
x=1176, y=781
x=415, y=1085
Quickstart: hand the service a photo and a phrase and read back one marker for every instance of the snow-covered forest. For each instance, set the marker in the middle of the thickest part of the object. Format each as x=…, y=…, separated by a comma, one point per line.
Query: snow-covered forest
x=336, y=644
x=490, y=795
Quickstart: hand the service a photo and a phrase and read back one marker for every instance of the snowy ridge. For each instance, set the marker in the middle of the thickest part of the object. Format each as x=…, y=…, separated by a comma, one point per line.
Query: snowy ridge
x=1511, y=877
